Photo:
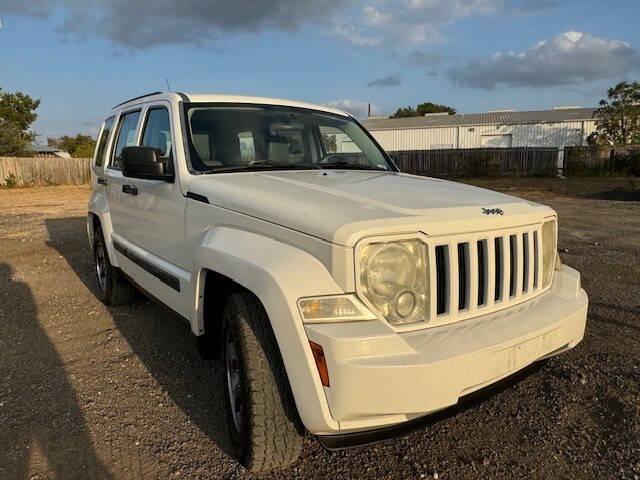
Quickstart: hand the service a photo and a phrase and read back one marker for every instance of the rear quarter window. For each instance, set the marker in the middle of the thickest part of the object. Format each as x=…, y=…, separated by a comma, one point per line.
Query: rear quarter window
x=101, y=148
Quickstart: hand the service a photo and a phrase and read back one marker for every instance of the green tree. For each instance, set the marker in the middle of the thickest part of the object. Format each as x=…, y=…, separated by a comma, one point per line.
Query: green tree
x=404, y=112
x=81, y=146
x=428, y=107
x=17, y=114
x=423, y=109
x=618, y=120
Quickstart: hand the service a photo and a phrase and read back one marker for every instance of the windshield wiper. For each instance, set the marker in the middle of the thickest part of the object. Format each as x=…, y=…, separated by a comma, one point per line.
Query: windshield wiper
x=262, y=165
x=271, y=163
x=351, y=165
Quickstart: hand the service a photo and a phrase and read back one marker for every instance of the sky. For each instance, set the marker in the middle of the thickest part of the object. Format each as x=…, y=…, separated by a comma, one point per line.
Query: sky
x=81, y=57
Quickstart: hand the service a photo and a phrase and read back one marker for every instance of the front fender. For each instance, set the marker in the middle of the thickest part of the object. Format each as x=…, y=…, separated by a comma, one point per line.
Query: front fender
x=278, y=274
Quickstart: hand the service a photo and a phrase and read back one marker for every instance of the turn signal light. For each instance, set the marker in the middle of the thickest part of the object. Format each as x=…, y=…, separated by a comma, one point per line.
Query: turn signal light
x=321, y=362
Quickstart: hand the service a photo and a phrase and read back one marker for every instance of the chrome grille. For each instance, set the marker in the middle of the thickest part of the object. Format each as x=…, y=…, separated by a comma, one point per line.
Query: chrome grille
x=478, y=273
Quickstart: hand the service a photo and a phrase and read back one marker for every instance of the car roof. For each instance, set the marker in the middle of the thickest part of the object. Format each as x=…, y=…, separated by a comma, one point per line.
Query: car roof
x=224, y=98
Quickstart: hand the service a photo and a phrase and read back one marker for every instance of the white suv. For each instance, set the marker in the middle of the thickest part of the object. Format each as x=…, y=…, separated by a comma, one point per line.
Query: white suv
x=345, y=297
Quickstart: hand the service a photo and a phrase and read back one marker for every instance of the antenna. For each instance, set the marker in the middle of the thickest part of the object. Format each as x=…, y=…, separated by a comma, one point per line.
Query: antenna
x=166, y=79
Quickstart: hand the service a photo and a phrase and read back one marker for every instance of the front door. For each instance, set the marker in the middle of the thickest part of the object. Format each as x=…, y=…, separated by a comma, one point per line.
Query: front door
x=148, y=215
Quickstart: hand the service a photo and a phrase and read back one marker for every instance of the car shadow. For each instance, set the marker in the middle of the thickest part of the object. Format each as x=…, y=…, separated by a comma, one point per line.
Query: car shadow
x=160, y=338
x=39, y=408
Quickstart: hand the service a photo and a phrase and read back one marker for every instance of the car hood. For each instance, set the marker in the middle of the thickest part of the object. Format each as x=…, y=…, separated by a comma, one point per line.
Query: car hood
x=342, y=205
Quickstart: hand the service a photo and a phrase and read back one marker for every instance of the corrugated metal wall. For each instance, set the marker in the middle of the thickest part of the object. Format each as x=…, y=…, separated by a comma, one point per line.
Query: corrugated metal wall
x=416, y=138
x=589, y=128
x=529, y=135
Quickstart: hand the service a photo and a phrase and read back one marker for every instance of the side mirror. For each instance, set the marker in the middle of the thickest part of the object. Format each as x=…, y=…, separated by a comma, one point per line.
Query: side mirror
x=143, y=162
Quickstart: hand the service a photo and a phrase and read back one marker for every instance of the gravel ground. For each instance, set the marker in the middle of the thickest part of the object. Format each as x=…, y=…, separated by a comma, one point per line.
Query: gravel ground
x=93, y=392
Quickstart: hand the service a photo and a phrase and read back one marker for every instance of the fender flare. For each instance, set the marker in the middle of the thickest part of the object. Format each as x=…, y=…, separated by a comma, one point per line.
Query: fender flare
x=99, y=207
x=278, y=274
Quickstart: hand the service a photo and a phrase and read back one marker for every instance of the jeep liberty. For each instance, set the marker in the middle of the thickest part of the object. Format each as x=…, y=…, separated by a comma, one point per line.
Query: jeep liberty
x=345, y=298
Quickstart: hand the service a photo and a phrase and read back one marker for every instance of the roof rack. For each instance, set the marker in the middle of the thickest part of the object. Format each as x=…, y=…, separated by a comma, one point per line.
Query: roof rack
x=137, y=98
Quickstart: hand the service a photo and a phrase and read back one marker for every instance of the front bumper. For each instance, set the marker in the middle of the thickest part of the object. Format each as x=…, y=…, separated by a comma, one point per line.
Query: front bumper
x=365, y=437
x=381, y=378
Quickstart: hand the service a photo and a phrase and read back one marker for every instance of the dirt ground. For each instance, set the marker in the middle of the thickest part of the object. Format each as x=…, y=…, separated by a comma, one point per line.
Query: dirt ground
x=88, y=391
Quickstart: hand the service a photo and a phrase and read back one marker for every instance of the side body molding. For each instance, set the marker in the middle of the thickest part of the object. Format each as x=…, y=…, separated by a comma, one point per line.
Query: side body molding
x=278, y=274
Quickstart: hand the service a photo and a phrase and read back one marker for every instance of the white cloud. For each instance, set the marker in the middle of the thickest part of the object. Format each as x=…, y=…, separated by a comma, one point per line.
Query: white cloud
x=373, y=17
x=356, y=108
x=412, y=22
x=354, y=36
x=569, y=58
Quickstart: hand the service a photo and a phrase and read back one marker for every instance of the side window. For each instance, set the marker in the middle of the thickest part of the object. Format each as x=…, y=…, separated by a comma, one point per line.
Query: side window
x=247, y=147
x=102, y=142
x=157, y=132
x=292, y=144
x=335, y=140
x=126, y=137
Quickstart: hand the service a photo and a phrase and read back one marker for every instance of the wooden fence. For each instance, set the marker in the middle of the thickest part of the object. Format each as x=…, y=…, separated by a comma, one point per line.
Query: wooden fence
x=602, y=160
x=476, y=162
x=42, y=171
x=479, y=162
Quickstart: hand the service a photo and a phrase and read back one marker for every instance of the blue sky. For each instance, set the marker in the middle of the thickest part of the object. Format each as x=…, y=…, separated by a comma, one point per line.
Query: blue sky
x=81, y=58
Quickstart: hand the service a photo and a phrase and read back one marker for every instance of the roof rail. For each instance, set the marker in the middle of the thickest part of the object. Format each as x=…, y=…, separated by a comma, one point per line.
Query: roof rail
x=137, y=98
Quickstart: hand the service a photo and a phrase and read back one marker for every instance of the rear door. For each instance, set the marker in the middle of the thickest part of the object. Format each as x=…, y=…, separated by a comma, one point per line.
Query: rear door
x=100, y=158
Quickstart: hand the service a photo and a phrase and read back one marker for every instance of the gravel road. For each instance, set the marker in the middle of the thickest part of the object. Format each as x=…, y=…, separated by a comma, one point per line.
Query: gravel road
x=88, y=391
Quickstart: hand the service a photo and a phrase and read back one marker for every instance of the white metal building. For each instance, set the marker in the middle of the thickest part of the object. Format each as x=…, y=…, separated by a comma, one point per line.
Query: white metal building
x=48, y=151
x=560, y=127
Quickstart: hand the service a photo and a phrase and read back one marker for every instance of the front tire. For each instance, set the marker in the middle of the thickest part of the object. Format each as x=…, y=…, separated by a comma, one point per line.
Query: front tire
x=264, y=427
x=113, y=288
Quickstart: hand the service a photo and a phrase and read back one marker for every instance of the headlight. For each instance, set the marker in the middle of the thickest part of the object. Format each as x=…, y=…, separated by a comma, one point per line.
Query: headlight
x=340, y=308
x=393, y=277
x=549, y=253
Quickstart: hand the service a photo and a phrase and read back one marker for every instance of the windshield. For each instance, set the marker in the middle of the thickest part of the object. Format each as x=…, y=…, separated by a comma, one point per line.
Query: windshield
x=255, y=137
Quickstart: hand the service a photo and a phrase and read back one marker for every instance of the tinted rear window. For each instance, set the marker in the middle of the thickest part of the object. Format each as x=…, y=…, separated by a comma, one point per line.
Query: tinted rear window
x=102, y=142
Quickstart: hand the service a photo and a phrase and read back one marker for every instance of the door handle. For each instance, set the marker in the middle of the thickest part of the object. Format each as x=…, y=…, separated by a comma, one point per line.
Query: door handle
x=130, y=189
x=102, y=181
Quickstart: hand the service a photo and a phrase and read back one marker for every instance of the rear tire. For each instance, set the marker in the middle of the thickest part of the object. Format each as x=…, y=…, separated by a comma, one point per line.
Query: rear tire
x=113, y=288
x=264, y=426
